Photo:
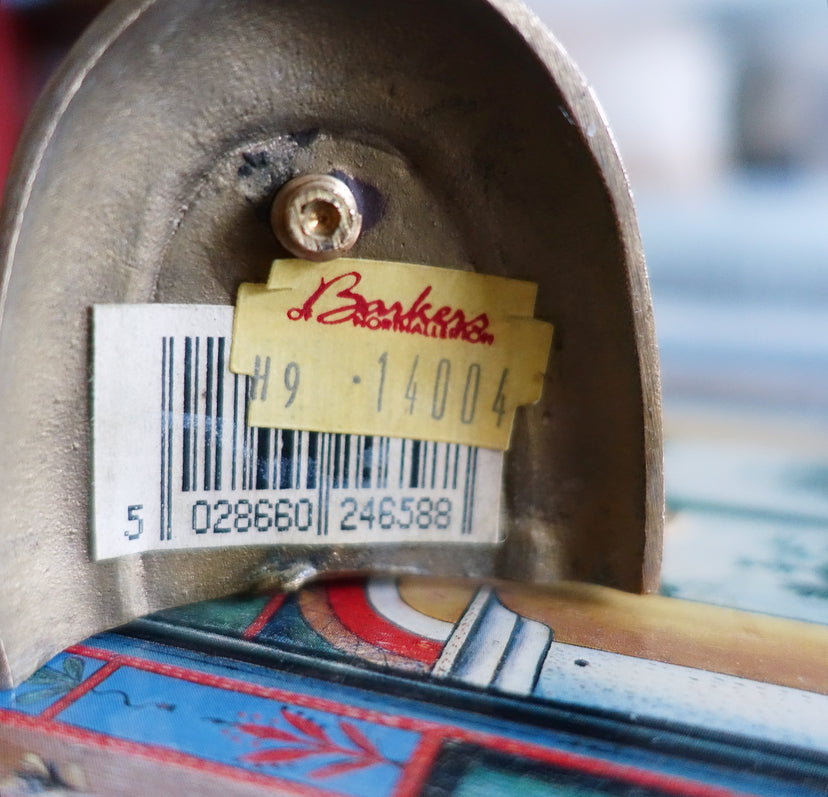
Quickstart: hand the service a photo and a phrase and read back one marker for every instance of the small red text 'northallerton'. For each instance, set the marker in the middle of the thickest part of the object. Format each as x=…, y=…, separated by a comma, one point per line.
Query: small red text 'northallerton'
x=421, y=318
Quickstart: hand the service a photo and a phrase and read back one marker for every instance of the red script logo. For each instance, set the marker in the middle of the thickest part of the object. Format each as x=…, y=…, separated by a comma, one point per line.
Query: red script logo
x=419, y=319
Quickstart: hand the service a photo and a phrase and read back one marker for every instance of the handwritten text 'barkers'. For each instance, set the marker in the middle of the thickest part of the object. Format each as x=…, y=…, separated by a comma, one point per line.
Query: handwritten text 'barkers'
x=421, y=318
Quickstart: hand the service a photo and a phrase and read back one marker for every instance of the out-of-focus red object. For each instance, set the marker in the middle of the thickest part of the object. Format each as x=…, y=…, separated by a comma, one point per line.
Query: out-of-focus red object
x=33, y=41
x=14, y=93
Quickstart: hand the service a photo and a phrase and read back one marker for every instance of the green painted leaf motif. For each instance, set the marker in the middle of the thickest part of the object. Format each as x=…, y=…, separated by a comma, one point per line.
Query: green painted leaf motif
x=73, y=667
x=51, y=682
x=47, y=675
x=36, y=695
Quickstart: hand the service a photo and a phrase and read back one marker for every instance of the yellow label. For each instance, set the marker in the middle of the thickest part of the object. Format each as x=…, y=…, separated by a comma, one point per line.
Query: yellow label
x=390, y=349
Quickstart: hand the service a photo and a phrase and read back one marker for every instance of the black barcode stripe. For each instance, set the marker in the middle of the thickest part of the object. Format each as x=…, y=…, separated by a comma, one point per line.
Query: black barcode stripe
x=208, y=415
x=415, y=463
x=187, y=419
x=164, y=461
x=387, y=458
x=251, y=457
x=263, y=459
x=246, y=438
x=313, y=453
x=234, y=451
x=318, y=465
x=367, y=463
x=194, y=416
x=378, y=460
x=170, y=418
x=244, y=447
x=324, y=482
x=219, y=412
x=468, y=492
x=472, y=453
x=276, y=439
x=276, y=464
x=321, y=480
x=286, y=459
x=347, y=467
x=167, y=410
x=328, y=479
x=336, y=459
x=456, y=461
x=359, y=470
x=467, y=484
x=299, y=469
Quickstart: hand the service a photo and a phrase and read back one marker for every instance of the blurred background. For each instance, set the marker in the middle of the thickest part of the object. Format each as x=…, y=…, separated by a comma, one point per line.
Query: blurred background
x=720, y=110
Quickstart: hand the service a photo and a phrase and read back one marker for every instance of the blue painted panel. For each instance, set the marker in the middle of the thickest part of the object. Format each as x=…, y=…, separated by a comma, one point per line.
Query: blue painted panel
x=255, y=733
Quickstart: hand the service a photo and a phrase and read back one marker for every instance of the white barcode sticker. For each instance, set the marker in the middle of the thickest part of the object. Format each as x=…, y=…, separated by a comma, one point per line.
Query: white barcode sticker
x=177, y=466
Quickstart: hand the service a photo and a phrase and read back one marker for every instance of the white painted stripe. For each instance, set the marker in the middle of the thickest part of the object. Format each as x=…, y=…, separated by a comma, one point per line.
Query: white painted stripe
x=444, y=664
x=477, y=662
x=523, y=658
x=645, y=688
x=385, y=598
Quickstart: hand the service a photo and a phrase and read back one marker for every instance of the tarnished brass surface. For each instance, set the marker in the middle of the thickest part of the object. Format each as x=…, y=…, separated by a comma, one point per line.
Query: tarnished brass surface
x=147, y=175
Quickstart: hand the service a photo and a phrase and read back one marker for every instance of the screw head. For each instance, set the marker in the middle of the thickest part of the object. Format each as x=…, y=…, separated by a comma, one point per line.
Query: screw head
x=315, y=217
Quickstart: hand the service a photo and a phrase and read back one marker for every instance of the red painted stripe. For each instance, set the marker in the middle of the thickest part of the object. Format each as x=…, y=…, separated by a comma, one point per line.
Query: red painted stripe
x=160, y=755
x=419, y=766
x=350, y=604
x=262, y=619
x=577, y=762
x=80, y=690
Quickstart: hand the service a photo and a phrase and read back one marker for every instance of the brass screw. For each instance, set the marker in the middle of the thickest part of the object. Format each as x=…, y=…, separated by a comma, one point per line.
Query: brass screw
x=315, y=217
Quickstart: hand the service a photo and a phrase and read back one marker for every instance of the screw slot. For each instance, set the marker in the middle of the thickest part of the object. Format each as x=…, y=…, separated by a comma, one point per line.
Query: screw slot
x=316, y=217
x=320, y=218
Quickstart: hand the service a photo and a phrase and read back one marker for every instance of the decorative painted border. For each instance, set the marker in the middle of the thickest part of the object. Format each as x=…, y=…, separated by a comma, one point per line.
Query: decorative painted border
x=433, y=735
